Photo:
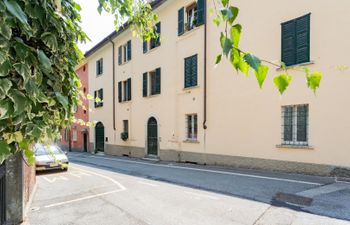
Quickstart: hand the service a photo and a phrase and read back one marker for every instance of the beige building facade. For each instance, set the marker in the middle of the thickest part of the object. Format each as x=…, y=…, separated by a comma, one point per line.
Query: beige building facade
x=167, y=99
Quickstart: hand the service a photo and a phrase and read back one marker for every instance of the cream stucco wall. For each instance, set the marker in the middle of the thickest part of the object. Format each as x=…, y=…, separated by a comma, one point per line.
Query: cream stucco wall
x=242, y=119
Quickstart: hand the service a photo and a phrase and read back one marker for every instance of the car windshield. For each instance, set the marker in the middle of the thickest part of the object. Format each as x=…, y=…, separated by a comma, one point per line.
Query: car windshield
x=41, y=150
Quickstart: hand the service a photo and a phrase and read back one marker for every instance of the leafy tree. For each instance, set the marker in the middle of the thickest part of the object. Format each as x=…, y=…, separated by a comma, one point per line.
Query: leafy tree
x=38, y=83
x=39, y=53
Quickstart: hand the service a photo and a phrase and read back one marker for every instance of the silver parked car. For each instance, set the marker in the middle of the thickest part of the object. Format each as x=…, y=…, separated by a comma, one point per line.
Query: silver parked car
x=50, y=157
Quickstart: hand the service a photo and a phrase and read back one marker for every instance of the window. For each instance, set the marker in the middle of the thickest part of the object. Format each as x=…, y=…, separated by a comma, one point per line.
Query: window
x=75, y=135
x=99, y=67
x=154, y=42
x=296, y=41
x=192, y=127
x=295, y=125
x=98, y=96
x=124, y=53
x=126, y=126
x=66, y=133
x=194, y=17
x=124, y=90
x=191, y=71
x=151, y=83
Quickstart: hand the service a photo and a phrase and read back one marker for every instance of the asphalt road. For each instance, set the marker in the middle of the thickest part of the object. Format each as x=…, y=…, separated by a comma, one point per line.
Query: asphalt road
x=103, y=190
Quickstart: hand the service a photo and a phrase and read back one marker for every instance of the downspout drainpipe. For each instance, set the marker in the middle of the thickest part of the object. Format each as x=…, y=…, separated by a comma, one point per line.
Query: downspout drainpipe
x=113, y=75
x=205, y=84
x=205, y=67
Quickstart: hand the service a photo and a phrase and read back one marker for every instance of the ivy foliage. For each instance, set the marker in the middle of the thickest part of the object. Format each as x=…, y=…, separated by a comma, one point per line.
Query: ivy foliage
x=244, y=61
x=38, y=83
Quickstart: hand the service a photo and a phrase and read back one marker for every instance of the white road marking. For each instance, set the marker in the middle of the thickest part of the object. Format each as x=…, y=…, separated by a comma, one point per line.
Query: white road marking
x=119, y=188
x=149, y=184
x=54, y=179
x=201, y=195
x=212, y=171
x=105, y=177
x=79, y=174
x=83, y=198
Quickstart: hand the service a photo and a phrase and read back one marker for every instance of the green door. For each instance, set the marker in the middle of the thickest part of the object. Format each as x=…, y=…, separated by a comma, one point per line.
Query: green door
x=100, y=137
x=152, y=137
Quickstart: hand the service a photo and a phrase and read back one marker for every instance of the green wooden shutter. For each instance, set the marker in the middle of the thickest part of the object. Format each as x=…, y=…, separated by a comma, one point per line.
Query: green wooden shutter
x=158, y=30
x=144, y=85
x=119, y=91
x=200, y=12
x=95, y=95
x=187, y=70
x=158, y=81
x=302, y=28
x=194, y=70
x=180, y=28
x=101, y=66
x=101, y=96
x=129, y=50
x=120, y=55
x=145, y=47
x=129, y=89
x=288, y=43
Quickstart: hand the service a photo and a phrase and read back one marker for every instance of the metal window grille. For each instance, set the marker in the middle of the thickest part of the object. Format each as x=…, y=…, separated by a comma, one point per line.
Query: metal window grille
x=295, y=123
x=192, y=127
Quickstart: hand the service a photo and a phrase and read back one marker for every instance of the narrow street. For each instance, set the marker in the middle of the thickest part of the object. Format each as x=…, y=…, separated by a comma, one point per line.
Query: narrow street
x=103, y=190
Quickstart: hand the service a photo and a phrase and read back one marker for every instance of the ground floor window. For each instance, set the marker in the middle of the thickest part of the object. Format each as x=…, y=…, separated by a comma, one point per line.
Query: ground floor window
x=192, y=127
x=75, y=135
x=295, y=125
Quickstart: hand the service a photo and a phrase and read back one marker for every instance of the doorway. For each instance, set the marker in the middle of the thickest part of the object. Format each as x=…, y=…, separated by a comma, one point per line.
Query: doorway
x=152, y=136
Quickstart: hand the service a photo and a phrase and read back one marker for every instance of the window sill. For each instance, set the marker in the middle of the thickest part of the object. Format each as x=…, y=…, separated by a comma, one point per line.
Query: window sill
x=295, y=146
x=152, y=50
x=190, y=88
x=124, y=63
x=297, y=65
x=188, y=33
x=126, y=101
x=152, y=96
x=192, y=141
x=98, y=75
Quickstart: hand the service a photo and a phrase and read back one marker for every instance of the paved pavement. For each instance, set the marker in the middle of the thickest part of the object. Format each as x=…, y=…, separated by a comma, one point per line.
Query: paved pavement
x=103, y=190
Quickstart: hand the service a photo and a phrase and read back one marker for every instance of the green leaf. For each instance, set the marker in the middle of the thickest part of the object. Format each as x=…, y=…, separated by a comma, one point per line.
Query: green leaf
x=261, y=74
x=29, y=154
x=226, y=44
x=16, y=11
x=314, y=80
x=19, y=101
x=5, y=68
x=218, y=59
x=5, y=86
x=62, y=99
x=50, y=40
x=5, y=30
x=23, y=70
x=236, y=34
x=224, y=2
x=226, y=14
x=234, y=12
x=217, y=20
x=252, y=61
x=6, y=109
x=44, y=60
x=5, y=151
x=282, y=82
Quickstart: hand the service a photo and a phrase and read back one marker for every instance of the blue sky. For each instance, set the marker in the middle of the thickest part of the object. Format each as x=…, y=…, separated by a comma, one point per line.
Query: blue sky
x=96, y=26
